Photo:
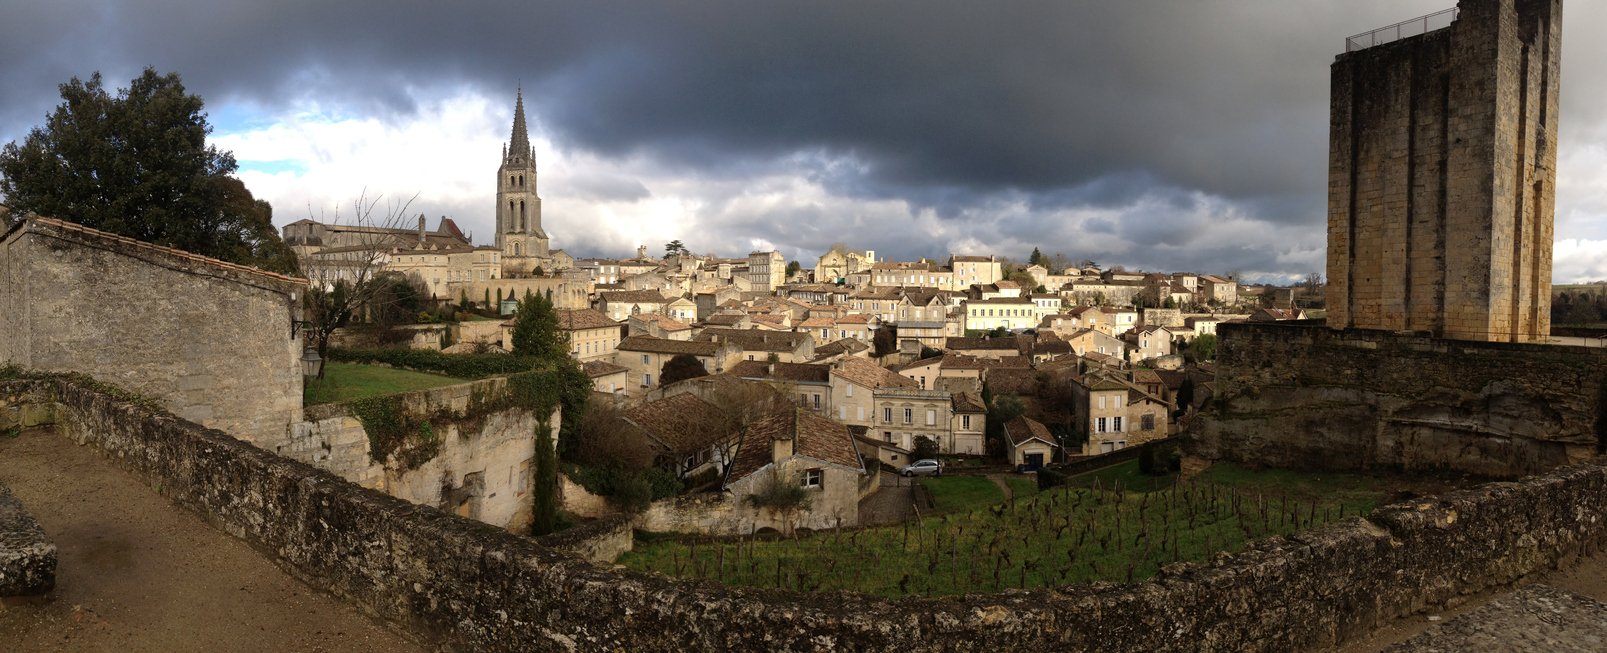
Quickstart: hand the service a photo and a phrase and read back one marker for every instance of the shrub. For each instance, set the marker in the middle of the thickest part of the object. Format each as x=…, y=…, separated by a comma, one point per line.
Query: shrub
x=780, y=496
x=1049, y=477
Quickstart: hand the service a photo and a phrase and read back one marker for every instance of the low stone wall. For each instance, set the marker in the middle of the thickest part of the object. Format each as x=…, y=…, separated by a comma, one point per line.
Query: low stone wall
x=602, y=541
x=465, y=586
x=27, y=557
x=1304, y=396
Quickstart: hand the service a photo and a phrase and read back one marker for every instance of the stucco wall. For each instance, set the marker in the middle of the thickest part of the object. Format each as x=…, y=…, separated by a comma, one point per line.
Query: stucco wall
x=211, y=341
x=462, y=586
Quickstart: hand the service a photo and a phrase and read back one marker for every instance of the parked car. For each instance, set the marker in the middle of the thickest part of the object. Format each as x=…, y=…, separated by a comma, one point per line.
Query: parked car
x=926, y=467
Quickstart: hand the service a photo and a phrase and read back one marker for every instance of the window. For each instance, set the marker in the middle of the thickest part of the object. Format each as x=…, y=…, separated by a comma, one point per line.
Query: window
x=1101, y=399
x=931, y=417
x=842, y=413
x=887, y=436
x=803, y=399
x=1147, y=422
x=1116, y=424
x=887, y=415
x=1099, y=425
x=965, y=422
x=1118, y=400
x=645, y=361
x=647, y=380
x=813, y=477
x=850, y=389
x=861, y=412
x=909, y=415
x=817, y=401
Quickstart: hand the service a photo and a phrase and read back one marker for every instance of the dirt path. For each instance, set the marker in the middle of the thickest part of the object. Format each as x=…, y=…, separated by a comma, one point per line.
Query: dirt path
x=136, y=573
x=998, y=479
x=889, y=505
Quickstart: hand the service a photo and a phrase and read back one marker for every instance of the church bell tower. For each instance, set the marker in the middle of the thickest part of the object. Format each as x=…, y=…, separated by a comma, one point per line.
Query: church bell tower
x=519, y=232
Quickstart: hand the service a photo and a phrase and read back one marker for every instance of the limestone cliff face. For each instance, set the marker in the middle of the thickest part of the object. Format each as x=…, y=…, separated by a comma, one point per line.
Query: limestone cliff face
x=1310, y=397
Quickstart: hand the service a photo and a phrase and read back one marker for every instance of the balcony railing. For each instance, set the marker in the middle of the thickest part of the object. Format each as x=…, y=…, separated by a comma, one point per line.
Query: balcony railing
x=1401, y=30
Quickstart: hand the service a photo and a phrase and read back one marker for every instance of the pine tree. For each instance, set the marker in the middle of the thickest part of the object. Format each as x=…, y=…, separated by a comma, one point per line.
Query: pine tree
x=545, y=489
x=1036, y=258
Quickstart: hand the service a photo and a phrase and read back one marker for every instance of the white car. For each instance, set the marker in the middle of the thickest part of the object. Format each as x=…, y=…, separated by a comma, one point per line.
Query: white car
x=926, y=467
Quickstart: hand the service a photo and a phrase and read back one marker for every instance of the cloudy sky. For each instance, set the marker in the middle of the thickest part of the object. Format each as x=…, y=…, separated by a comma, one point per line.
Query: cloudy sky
x=1189, y=134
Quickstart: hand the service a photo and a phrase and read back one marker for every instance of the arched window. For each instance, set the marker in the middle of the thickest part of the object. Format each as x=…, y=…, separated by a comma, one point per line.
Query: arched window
x=523, y=223
x=509, y=223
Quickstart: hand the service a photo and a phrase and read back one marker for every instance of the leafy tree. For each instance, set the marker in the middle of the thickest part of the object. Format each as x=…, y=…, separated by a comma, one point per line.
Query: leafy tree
x=925, y=448
x=681, y=367
x=792, y=268
x=1185, y=396
x=1204, y=347
x=536, y=333
x=885, y=341
x=138, y=165
x=545, y=490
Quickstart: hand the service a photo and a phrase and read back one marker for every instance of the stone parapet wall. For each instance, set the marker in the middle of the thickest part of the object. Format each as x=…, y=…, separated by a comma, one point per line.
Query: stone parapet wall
x=464, y=586
x=27, y=556
x=601, y=541
x=1309, y=397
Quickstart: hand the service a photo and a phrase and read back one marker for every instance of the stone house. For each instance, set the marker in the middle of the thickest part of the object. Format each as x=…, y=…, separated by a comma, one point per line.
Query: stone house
x=1118, y=415
x=975, y=270
x=804, y=449
x=682, y=309
x=1089, y=341
x=1009, y=313
x=592, y=335
x=807, y=384
x=767, y=271
x=685, y=432
x=832, y=352
x=606, y=377
x=1277, y=314
x=994, y=348
x=645, y=356
x=1214, y=289
x=967, y=427
x=1028, y=444
x=853, y=382
x=760, y=345
x=658, y=325
x=621, y=304
x=903, y=414
x=1149, y=343
x=214, y=342
x=446, y=272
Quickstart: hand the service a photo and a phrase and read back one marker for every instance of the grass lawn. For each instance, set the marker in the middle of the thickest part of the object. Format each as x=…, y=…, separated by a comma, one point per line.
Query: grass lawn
x=348, y=381
x=962, y=493
x=1064, y=535
x=1022, y=487
x=1124, y=475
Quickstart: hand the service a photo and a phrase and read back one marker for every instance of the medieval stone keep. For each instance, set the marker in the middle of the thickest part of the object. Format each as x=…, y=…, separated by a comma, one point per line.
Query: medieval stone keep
x=1442, y=174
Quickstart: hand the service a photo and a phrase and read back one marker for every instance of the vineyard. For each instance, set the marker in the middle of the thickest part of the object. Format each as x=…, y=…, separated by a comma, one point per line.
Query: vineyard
x=1065, y=535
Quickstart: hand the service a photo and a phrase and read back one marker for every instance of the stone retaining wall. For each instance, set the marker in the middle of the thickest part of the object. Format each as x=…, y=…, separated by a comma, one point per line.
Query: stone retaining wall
x=1305, y=396
x=466, y=586
x=27, y=557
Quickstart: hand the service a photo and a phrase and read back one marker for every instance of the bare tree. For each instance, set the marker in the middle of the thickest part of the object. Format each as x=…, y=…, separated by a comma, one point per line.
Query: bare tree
x=1313, y=282
x=347, y=279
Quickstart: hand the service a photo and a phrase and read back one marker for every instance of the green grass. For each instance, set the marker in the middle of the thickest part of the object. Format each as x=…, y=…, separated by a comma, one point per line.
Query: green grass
x=348, y=381
x=1022, y=487
x=1064, y=535
x=962, y=493
x=1123, y=475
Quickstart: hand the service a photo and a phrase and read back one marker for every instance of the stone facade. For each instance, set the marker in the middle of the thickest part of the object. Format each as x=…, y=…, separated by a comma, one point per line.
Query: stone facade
x=211, y=340
x=1302, y=396
x=460, y=586
x=1442, y=177
x=482, y=470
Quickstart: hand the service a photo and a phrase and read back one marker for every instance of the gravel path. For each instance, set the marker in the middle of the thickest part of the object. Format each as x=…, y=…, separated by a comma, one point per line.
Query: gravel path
x=889, y=505
x=138, y=574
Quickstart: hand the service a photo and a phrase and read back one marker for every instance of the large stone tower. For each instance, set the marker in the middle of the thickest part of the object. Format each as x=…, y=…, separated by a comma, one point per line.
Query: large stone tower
x=519, y=232
x=1442, y=174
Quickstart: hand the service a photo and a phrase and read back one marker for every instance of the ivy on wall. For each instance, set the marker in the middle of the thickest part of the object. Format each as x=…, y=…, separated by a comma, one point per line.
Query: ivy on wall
x=414, y=436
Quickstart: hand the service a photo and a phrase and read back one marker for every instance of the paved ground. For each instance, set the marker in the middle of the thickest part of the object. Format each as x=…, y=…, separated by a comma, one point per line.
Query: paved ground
x=1565, y=610
x=889, y=505
x=138, y=574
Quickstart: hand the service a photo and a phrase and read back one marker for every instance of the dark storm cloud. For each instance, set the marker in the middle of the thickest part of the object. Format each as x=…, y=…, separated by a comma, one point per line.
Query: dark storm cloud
x=949, y=106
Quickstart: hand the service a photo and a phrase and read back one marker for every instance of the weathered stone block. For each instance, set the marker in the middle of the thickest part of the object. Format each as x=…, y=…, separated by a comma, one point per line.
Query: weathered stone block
x=27, y=557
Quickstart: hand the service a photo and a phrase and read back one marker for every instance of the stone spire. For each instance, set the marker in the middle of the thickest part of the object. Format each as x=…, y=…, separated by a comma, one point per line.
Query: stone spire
x=519, y=145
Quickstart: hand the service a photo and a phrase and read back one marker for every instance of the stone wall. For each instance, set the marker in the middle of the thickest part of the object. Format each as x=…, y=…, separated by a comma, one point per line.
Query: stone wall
x=27, y=557
x=210, y=340
x=462, y=586
x=602, y=541
x=1442, y=175
x=1305, y=397
x=482, y=471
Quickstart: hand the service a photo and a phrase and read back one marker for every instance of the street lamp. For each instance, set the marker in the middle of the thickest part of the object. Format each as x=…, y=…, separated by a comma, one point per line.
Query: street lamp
x=311, y=362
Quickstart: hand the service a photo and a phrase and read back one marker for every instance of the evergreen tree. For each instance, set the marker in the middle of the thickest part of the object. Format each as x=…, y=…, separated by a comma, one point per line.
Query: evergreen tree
x=1036, y=258
x=536, y=333
x=138, y=165
x=679, y=368
x=545, y=488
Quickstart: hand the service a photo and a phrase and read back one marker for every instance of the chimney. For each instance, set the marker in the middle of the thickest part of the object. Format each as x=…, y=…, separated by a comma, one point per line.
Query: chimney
x=421, y=231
